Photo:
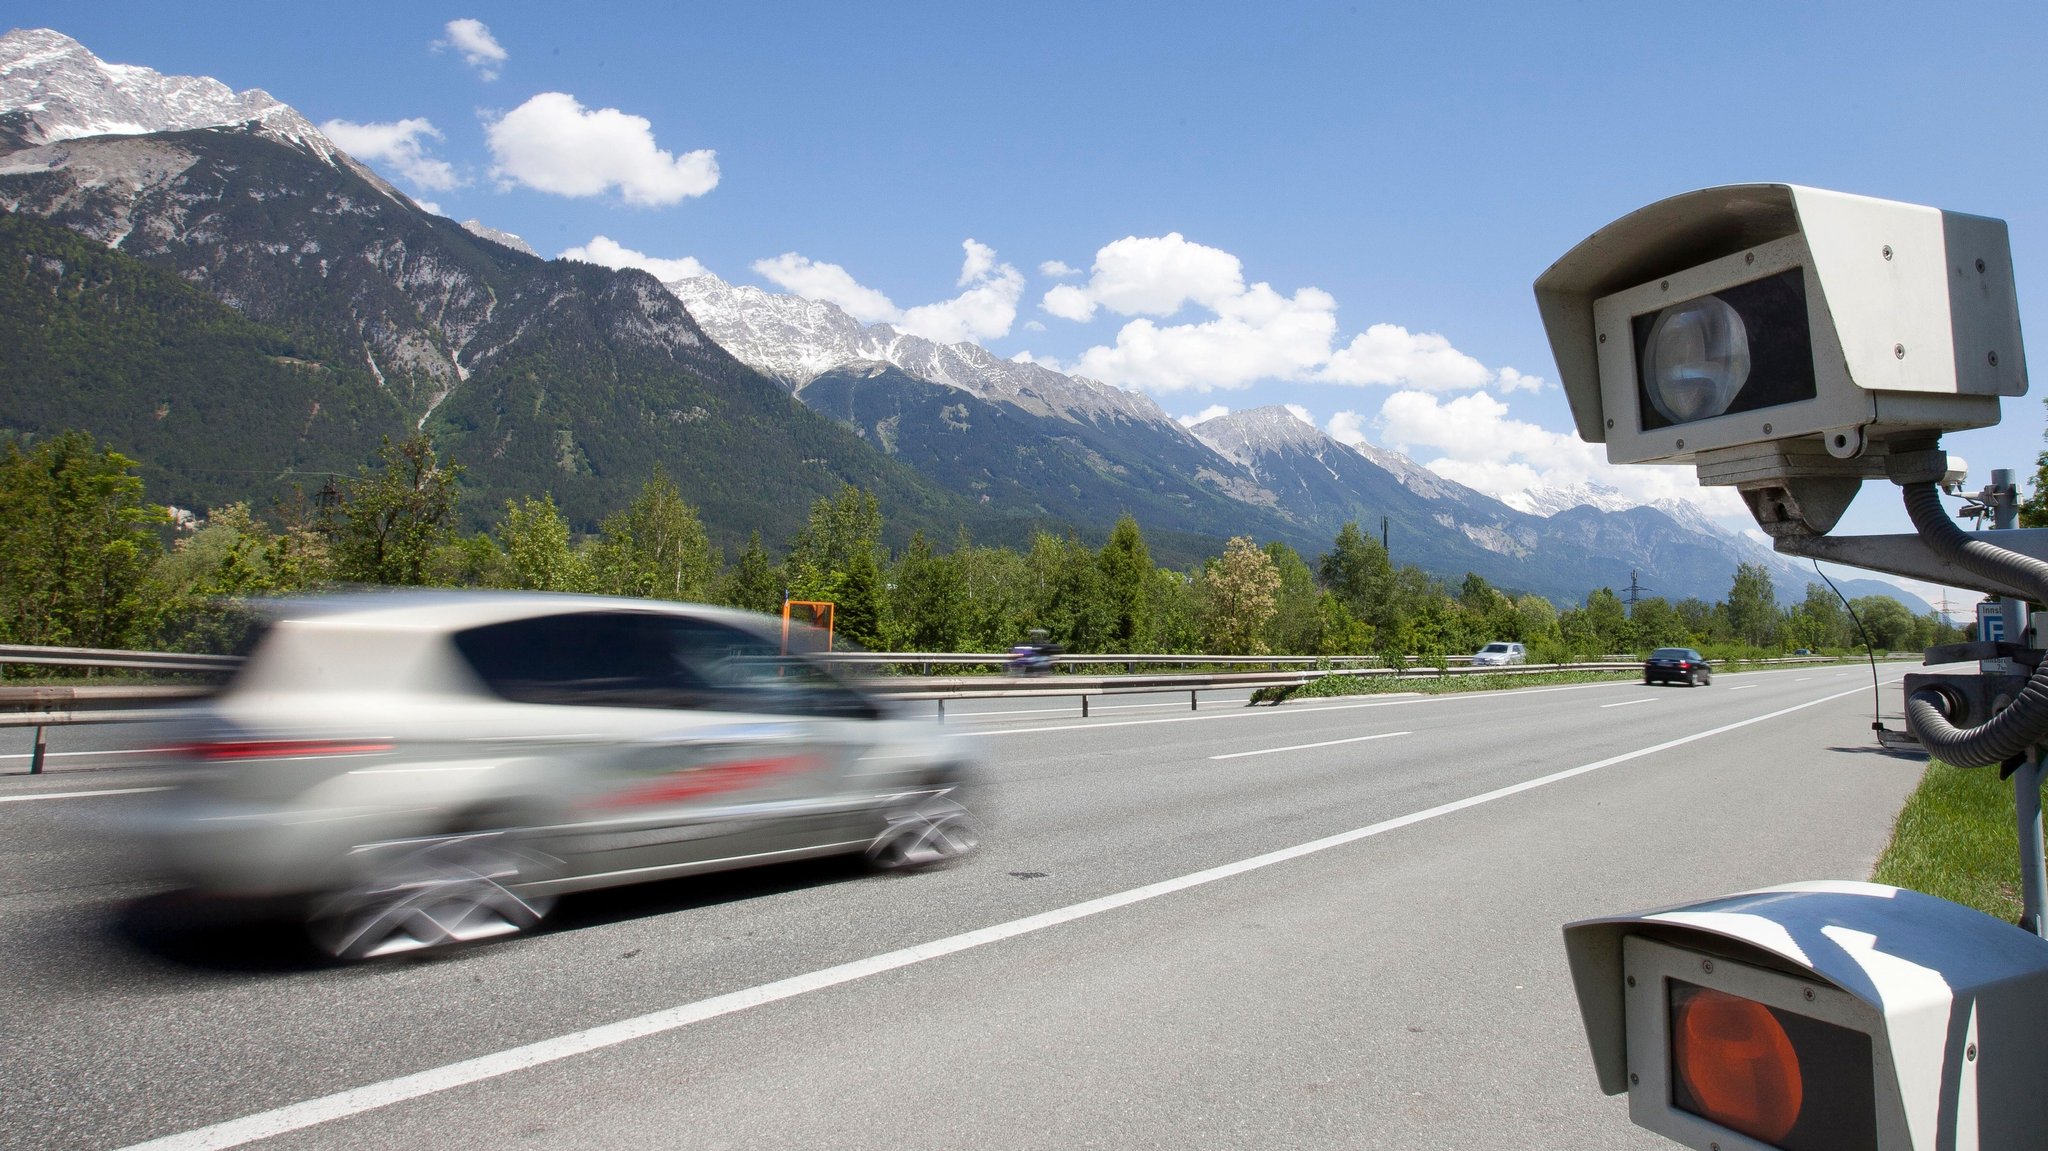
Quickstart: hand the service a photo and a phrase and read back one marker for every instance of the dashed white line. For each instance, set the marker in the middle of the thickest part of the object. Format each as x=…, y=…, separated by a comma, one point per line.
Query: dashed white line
x=79, y=794
x=356, y=1101
x=1627, y=702
x=1745, y=687
x=1307, y=746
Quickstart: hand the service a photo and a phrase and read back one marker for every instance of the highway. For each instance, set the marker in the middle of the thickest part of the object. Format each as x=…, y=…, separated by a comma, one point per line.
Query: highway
x=1326, y=924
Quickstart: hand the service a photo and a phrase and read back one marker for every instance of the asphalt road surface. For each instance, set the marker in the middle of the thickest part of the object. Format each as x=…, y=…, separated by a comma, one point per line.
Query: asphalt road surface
x=1326, y=924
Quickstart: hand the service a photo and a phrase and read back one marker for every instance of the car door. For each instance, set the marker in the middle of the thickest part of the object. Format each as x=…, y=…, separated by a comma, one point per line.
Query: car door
x=656, y=765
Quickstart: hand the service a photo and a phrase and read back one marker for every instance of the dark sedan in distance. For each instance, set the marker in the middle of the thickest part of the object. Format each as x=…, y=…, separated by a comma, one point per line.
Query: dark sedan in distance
x=1677, y=665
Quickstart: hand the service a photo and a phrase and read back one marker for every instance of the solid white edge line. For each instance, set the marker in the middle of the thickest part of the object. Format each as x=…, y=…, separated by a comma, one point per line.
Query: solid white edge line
x=342, y=1104
x=1307, y=746
x=79, y=794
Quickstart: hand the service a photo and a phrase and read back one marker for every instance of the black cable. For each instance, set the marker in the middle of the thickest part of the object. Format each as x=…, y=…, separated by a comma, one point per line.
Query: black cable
x=1869, y=650
x=2020, y=724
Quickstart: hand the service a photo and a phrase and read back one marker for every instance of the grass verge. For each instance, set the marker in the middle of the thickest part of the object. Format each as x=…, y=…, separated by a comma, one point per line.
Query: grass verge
x=1335, y=685
x=1955, y=838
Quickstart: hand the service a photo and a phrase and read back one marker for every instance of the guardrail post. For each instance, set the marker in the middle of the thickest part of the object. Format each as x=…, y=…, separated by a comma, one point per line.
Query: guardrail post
x=35, y=761
x=942, y=711
x=1084, y=705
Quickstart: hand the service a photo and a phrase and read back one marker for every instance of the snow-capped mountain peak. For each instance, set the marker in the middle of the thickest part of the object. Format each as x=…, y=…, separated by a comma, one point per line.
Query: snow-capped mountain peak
x=67, y=93
x=796, y=340
x=478, y=228
x=1242, y=437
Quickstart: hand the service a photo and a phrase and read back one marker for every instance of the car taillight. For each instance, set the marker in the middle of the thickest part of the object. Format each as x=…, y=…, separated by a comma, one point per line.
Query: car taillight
x=218, y=751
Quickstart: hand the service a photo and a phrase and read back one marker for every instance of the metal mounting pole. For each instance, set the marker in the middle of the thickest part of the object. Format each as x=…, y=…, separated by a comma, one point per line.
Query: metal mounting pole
x=2026, y=795
x=35, y=760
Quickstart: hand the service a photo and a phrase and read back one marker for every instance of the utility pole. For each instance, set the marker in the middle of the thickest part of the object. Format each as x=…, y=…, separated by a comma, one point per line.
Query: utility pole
x=1383, y=540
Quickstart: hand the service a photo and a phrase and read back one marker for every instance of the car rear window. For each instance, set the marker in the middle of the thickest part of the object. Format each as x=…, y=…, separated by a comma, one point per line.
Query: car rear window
x=1672, y=653
x=649, y=659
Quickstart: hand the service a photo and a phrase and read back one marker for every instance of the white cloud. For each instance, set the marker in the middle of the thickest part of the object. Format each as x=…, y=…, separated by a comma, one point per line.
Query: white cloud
x=480, y=50
x=1253, y=332
x=1300, y=413
x=980, y=261
x=611, y=254
x=1152, y=276
x=429, y=207
x=1033, y=326
x=1472, y=439
x=815, y=280
x=1057, y=270
x=985, y=310
x=1347, y=428
x=1393, y=355
x=1257, y=334
x=1507, y=381
x=1069, y=303
x=1203, y=416
x=397, y=144
x=554, y=144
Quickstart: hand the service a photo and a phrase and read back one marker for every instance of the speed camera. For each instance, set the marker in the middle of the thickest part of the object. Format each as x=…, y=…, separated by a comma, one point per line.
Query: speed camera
x=1821, y=1016
x=1821, y=324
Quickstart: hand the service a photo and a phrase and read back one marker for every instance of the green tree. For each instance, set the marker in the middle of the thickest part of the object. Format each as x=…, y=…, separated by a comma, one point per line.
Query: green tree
x=927, y=604
x=836, y=557
x=656, y=548
x=192, y=589
x=1658, y=624
x=1887, y=622
x=386, y=525
x=76, y=541
x=1298, y=618
x=1126, y=565
x=536, y=548
x=754, y=583
x=1239, y=589
x=1752, y=606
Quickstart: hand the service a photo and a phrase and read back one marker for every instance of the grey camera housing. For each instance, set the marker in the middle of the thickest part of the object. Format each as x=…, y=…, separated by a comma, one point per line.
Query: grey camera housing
x=1911, y=311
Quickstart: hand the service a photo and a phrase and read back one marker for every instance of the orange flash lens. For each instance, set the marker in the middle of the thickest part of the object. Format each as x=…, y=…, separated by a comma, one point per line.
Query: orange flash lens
x=1734, y=1057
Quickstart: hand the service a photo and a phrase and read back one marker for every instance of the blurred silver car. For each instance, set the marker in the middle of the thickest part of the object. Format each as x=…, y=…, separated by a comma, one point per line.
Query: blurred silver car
x=419, y=769
x=1500, y=653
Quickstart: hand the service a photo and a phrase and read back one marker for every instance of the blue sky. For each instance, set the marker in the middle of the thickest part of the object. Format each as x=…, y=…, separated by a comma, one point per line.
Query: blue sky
x=1395, y=176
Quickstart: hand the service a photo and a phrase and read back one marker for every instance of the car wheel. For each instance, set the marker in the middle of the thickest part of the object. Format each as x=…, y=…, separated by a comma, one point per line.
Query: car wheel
x=931, y=832
x=420, y=894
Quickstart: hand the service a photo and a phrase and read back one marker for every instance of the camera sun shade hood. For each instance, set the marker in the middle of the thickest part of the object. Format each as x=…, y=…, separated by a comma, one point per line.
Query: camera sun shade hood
x=1877, y=303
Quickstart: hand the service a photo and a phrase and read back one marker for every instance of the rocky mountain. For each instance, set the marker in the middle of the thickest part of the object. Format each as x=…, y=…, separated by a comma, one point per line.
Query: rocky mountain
x=535, y=375
x=795, y=340
x=200, y=276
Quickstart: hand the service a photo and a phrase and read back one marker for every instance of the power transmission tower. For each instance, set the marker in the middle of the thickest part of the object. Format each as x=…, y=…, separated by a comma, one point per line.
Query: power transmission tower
x=1635, y=591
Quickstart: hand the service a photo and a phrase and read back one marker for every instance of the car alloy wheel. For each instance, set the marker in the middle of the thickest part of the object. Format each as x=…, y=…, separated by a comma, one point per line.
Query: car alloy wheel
x=419, y=894
x=930, y=832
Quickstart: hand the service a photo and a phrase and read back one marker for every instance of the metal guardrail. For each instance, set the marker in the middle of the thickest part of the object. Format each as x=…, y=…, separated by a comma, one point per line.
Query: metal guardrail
x=120, y=660
x=44, y=707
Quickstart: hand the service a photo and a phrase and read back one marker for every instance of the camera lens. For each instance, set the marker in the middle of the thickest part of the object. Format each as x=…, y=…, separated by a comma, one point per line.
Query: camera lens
x=1696, y=359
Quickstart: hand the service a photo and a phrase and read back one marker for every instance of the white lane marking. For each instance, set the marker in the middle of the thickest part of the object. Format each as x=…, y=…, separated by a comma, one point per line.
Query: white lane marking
x=69, y=754
x=79, y=794
x=1627, y=702
x=1802, y=679
x=1745, y=687
x=1307, y=746
x=356, y=1101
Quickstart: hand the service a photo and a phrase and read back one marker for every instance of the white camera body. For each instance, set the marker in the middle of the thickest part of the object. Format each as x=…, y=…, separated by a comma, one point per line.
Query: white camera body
x=1829, y=1014
x=1770, y=314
